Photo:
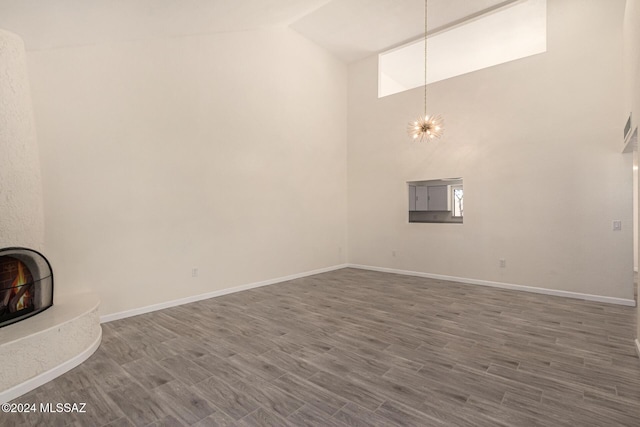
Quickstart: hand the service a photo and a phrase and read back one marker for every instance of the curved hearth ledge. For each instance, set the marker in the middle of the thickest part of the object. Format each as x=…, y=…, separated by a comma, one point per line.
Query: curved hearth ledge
x=37, y=350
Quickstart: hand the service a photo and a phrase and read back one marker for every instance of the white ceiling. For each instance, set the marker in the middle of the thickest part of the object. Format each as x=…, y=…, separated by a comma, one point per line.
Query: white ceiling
x=351, y=29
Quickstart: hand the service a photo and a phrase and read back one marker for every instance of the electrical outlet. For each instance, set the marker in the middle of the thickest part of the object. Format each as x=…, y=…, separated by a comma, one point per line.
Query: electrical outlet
x=503, y=263
x=194, y=272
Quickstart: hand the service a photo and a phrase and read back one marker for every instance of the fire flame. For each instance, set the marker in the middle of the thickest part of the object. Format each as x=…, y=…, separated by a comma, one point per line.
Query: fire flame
x=17, y=283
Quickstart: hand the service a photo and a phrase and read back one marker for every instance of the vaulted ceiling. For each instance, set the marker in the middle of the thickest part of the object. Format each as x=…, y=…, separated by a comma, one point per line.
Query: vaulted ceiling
x=351, y=29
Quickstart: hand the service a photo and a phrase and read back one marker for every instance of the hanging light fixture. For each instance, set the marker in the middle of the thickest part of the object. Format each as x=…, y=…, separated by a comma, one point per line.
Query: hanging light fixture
x=426, y=127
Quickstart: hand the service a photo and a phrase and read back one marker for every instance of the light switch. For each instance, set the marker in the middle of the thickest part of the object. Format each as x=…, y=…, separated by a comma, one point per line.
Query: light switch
x=617, y=225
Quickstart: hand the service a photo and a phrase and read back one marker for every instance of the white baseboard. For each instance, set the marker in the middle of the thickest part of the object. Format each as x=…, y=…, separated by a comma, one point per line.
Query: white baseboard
x=154, y=307
x=35, y=382
x=142, y=310
x=532, y=289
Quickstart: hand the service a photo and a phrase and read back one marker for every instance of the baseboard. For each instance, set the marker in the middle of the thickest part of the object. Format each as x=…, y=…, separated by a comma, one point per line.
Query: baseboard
x=154, y=307
x=148, y=309
x=532, y=289
x=35, y=382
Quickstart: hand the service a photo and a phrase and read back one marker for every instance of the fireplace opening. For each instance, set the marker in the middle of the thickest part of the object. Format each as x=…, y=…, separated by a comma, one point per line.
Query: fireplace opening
x=26, y=284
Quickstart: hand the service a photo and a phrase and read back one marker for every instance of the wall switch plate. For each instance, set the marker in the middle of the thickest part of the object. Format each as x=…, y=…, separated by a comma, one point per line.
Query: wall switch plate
x=617, y=225
x=503, y=263
x=194, y=272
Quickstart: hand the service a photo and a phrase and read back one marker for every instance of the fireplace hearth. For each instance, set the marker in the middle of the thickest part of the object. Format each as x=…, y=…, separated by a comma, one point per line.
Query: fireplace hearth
x=26, y=284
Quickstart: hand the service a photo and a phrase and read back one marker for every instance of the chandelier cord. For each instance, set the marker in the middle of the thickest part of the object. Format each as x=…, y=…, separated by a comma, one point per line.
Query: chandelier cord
x=425, y=57
x=426, y=127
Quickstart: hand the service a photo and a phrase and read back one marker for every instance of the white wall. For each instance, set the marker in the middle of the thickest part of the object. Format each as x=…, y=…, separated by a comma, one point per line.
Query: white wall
x=21, y=216
x=223, y=152
x=631, y=63
x=537, y=142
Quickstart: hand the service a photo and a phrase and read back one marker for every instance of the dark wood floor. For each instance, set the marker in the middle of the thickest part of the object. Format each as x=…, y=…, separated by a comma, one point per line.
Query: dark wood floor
x=359, y=348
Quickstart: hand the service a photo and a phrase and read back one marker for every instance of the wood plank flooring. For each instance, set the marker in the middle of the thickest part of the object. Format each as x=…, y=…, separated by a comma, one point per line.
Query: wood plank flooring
x=359, y=348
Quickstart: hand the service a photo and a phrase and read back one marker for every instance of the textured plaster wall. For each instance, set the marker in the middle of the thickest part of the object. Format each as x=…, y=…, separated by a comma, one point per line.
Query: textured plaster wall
x=21, y=210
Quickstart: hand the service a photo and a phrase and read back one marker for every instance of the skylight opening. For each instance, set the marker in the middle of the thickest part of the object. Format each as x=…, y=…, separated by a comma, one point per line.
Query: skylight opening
x=516, y=31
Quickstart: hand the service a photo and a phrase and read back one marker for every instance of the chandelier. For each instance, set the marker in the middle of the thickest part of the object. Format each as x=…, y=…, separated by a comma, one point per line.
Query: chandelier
x=426, y=127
